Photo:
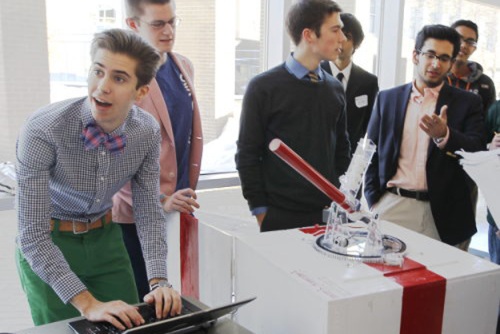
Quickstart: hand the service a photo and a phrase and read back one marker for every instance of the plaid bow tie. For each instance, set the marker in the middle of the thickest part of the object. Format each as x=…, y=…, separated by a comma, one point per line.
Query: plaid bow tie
x=92, y=136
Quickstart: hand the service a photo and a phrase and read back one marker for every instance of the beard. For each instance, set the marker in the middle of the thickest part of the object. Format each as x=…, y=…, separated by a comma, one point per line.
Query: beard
x=434, y=83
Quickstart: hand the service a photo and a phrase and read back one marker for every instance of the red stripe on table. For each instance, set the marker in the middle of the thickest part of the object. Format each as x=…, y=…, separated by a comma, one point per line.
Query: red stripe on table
x=423, y=296
x=423, y=293
x=189, y=256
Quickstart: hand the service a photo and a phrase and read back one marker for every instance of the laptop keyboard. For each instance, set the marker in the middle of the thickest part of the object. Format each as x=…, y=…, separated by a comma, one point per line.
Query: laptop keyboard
x=147, y=312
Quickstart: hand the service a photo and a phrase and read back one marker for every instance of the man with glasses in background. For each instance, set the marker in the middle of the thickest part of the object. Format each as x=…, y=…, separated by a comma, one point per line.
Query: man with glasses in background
x=469, y=76
x=414, y=179
x=466, y=74
x=361, y=87
x=172, y=101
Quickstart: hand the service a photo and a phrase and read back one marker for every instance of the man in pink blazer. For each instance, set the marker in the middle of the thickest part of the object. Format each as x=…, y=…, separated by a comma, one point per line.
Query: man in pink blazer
x=172, y=101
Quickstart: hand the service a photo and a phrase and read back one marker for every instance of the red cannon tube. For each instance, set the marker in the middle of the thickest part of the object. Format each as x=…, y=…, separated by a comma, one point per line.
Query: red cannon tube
x=308, y=172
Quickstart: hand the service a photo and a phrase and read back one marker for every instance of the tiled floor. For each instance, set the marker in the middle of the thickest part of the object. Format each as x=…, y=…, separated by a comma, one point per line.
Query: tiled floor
x=14, y=311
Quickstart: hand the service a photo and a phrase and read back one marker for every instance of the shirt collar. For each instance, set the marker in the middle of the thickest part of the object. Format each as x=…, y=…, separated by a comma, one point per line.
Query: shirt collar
x=434, y=92
x=298, y=70
x=346, y=71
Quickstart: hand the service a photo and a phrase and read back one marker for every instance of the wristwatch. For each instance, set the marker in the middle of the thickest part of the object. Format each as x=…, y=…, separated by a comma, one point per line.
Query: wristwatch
x=159, y=284
x=438, y=141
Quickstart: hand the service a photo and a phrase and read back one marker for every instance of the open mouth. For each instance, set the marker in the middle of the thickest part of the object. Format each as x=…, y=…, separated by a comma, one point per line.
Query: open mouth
x=102, y=103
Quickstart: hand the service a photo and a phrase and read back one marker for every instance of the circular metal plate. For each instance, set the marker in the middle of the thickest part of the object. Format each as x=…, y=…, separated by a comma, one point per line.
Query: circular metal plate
x=356, y=245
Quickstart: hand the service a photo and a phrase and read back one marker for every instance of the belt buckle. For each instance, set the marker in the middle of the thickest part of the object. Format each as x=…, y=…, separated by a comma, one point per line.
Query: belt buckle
x=78, y=232
x=398, y=191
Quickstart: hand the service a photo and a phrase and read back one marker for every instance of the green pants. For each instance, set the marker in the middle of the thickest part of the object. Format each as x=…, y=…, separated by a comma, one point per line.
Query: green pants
x=98, y=258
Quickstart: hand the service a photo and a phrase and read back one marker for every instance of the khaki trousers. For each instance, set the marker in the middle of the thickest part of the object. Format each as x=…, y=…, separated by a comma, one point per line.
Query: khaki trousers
x=407, y=212
x=411, y=214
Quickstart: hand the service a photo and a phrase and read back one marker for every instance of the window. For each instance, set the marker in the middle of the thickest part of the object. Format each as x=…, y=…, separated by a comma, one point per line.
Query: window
x=228, y=41
x=226, y=50
x=69, y=39
x=107, y=16
x=249, y=60
x=226, y=54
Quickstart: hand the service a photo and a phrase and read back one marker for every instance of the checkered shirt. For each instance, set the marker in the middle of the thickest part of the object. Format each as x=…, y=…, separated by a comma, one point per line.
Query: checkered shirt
x=58, y=178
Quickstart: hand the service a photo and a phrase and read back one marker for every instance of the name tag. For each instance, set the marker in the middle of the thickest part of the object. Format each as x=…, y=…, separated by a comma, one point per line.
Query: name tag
x=361, y=101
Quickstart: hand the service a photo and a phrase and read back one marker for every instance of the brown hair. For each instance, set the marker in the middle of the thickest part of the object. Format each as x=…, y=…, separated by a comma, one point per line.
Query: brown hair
x=309, y=14
x=134, y=7
x=131, y=44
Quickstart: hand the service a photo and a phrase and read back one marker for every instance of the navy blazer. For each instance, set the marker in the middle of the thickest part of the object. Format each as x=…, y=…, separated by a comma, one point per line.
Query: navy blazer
x=448, y=184
x=360, y=86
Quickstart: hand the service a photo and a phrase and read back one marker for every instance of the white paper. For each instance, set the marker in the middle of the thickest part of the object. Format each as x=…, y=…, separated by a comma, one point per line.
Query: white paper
x=484, y=168
x=361, y=101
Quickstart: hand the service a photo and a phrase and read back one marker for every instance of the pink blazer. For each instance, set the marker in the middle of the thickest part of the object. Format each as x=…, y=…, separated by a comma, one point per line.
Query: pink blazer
x=154, y=103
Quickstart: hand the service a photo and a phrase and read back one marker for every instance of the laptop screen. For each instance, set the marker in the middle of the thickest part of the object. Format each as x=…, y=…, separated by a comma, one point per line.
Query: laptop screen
x=194, y=320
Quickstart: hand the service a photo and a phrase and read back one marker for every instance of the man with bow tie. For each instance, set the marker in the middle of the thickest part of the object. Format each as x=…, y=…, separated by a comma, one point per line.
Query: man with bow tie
x=72, y=157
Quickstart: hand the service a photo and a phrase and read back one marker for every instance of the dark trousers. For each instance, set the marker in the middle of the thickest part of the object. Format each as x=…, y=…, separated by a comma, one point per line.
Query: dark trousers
x=279, y=219
x=133, y=245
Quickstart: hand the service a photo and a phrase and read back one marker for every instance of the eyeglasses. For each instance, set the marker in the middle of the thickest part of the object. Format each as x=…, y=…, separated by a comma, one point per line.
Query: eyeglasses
x=160, y=24
x=432, y=56
x=469, y=41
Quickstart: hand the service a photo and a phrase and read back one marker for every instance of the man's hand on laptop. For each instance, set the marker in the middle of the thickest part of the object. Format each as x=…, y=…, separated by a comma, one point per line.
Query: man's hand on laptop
x=118, y=313
x=166, y=300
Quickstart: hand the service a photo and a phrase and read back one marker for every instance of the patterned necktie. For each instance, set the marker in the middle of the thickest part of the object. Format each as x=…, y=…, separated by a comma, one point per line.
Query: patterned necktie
x=92, y=136
x=313, y=76
x=340, y=77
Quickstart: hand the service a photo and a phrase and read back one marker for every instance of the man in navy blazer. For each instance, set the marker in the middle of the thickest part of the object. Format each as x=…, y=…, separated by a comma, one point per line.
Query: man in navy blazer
x=415, y=180
x=360, y=86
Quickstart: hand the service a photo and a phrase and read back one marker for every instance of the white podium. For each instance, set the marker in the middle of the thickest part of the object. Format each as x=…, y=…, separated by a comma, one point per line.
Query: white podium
x=440, y=289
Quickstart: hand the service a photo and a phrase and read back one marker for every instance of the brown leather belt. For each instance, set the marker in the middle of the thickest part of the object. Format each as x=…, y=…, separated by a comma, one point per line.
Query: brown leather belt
x=82, y=227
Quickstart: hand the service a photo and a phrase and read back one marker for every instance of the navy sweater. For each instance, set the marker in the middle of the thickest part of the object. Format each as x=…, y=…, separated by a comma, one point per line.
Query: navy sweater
x=310, y=118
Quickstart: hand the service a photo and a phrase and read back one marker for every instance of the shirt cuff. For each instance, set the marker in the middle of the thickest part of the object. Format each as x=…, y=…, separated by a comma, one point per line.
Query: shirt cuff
x=258, y=210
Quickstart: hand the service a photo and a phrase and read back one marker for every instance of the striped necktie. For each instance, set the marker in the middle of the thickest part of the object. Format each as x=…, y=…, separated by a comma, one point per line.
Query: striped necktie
x=313, y=76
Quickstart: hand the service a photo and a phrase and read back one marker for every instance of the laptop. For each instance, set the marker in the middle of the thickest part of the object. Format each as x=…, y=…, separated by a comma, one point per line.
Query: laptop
x=191, y=319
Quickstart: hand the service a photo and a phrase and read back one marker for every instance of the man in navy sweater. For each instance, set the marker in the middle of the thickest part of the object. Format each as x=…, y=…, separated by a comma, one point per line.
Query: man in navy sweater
x=304, y=107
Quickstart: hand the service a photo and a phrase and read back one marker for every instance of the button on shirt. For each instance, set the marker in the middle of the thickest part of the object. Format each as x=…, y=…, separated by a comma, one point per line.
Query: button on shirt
x=411, y=174
x=58, y=178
